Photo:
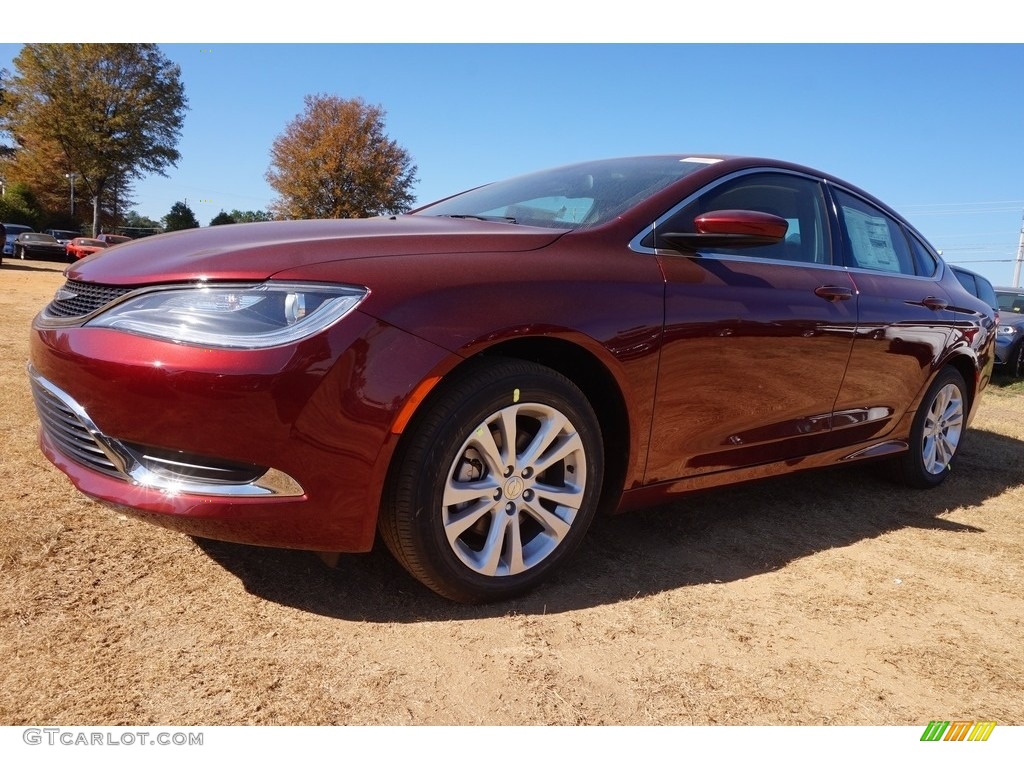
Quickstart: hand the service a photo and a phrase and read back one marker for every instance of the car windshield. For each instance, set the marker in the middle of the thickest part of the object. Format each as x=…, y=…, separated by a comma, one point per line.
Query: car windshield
x=38, y=238
x=1011, y=301
x=91, y=243
x=569, y=197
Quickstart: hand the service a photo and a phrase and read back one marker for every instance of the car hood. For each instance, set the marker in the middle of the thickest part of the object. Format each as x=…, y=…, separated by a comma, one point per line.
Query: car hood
x=257, y=251
x=1011, y=318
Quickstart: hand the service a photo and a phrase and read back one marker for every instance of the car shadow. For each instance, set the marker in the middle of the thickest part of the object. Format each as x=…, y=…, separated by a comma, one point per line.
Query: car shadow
x=712, y=537
x=33, y=266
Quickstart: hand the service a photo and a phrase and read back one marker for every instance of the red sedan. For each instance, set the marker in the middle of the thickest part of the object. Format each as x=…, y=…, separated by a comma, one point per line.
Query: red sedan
x=81, y=247
x=475, y=381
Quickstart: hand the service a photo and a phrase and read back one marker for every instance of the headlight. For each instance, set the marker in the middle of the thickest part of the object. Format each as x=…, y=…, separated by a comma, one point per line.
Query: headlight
x=1007, y=330
x=233, y=316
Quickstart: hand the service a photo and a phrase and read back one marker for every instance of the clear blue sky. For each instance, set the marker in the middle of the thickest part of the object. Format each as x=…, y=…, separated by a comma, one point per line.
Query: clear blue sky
x=934, y=130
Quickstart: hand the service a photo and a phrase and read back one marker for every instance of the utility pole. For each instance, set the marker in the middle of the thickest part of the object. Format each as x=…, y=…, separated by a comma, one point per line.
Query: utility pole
x=71, y=177
x=1020, y=256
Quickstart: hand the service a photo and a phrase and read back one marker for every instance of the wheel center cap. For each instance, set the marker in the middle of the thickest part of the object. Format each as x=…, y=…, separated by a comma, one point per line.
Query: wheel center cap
x=514, y=488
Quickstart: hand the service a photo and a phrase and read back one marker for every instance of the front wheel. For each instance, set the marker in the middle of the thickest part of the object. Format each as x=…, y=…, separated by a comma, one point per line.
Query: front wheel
x=495, y=482
x=1015, y=362
x=937, y=432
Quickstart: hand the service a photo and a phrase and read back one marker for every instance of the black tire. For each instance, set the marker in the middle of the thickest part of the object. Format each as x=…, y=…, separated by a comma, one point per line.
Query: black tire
x=937, y=432
x=19, y=252
x=1015, y=361
x=473, y=521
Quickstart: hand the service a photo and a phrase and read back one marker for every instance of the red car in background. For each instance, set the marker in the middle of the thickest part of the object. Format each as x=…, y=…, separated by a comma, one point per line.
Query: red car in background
x=81, y=247
x=476, y=380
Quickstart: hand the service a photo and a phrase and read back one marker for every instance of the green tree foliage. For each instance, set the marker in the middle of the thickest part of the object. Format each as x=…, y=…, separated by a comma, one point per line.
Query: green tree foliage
x=136, y=225
x=135, y=220
x=18, y=206
x=222, y=218
x=107, y=112
x=180, y=217
x=245, y=217
x=335, y=161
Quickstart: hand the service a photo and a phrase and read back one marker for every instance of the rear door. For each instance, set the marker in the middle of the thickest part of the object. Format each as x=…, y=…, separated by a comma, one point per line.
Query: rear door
x=904, y=321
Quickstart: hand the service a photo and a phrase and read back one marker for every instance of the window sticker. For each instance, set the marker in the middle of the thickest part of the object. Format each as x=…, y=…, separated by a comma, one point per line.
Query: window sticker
x=871, y=240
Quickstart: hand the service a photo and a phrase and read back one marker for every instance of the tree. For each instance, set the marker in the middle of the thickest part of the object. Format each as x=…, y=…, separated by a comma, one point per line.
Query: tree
x=244, y=217
x=137, y=225
x=335, y=161
x=222, y=218
x=180, y=217
x=111, y=111
x=5, y=149
x=18, y=206
x=135, y=220
x=42, y=171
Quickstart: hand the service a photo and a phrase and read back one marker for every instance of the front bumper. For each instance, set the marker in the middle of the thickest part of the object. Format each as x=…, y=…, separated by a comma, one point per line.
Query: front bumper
x=300, y=436
x=70, y=430
x=1005, y=346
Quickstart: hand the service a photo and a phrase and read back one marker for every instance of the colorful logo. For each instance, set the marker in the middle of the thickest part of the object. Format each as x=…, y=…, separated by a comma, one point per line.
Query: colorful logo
x=958, y=730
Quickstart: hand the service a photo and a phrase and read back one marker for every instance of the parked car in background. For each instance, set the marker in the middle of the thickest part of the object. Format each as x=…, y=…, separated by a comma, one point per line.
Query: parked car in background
x=13, y=230
x=37, y=245
x=475, y=380
x=1010, y=341
x=977, y=285
x=81, y=247
x=113, y=239
x=1011, y=299
x=62, y=236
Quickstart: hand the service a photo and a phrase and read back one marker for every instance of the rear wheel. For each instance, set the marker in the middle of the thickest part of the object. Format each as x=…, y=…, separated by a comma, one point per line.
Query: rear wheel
x=937, y=432
x=495, y=483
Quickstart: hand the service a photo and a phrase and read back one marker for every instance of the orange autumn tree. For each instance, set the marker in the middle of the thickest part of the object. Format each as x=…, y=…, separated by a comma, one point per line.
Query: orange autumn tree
x=334, y=161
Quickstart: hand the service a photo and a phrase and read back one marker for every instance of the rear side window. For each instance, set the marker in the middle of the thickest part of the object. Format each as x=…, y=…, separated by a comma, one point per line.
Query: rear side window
x=967, y=281
x=978, y=286
x=873, y=239
x=925, y=262
x=986, y=292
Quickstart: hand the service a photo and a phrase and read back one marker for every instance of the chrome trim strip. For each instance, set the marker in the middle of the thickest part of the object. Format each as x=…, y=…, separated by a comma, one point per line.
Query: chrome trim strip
x=634, y=244
x=129, y=465
x=120, y=459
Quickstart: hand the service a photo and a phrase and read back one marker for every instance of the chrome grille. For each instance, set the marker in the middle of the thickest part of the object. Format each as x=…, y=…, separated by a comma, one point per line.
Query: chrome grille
x=69, y=432
x=77, y=299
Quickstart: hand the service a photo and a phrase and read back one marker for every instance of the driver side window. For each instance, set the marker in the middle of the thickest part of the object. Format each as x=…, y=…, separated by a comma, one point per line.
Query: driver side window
x=796, y=199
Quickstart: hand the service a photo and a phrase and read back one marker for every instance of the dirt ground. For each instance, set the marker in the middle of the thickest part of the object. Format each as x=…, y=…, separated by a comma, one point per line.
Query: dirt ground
x=825, y=598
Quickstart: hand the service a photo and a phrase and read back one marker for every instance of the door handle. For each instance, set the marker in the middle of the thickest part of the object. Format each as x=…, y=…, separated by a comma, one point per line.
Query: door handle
x=933, y=303
x=834, y=292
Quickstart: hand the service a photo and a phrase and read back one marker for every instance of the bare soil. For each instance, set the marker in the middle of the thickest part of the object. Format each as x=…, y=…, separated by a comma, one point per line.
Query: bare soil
x=831, y=597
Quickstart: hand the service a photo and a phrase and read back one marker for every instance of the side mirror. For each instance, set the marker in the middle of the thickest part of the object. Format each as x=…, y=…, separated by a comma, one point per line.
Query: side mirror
x=727, y=229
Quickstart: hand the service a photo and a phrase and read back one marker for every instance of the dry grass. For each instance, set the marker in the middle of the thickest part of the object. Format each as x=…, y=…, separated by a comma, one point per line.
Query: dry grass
x=827, y=598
